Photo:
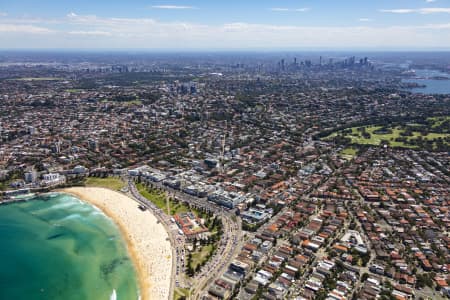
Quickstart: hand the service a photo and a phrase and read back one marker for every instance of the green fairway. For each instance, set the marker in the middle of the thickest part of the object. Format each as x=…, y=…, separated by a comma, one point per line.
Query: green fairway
x=348, y=153
x=394, y=137
x=112, y=183
x=437, y=121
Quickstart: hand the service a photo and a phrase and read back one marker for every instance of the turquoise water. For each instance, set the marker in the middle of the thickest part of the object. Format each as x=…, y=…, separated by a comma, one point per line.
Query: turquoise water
x=57, y=247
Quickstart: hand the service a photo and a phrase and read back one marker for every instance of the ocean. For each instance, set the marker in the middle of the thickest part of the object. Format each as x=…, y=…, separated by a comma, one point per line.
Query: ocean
x=57, y=247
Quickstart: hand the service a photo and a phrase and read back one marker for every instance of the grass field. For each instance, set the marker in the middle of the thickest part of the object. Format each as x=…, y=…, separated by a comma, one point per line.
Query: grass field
x=176, y=208
x=38, y=78
x=109, y=182
x=438, y=120
x=159, y=199
x=134, y=102
x=124, y=103
x=348, y=153
x=201, y=255
x=180, y=293
x=156, y=197
x=376, y=139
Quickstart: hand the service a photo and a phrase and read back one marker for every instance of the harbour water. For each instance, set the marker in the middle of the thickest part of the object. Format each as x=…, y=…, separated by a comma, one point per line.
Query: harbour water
x=57, y=247
x=432, y=85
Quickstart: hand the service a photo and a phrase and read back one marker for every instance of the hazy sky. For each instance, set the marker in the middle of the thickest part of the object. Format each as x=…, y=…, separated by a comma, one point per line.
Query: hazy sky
x=230, y=24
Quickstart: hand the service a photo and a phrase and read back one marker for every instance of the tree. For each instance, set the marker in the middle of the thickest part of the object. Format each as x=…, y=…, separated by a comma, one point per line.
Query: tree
x=195, y=243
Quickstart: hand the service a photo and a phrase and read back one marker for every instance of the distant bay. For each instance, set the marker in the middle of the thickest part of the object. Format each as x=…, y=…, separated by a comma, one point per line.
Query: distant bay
x=432, y=85
x=57, y=247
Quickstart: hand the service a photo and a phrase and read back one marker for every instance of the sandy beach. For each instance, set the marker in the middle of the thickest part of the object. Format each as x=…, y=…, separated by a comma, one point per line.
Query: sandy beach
x=147, y=240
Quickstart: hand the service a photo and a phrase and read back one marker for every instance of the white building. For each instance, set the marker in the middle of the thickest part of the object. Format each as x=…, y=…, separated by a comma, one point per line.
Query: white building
x=53, y=178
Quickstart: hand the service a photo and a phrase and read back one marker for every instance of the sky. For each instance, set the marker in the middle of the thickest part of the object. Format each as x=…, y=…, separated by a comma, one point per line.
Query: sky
x=225, y=25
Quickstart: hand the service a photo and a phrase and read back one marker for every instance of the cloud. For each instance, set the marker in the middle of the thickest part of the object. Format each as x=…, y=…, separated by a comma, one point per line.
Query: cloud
x=430, y=1
x=281, y=9
x=31, y=20
x=435, y=10
x=91, y=33
x=3, y=14
x=423, y=11
x=364, y=20
x=398, y=11
x=172, y=7
x=436, y=26
x=93, y=20
x=129, y=28
x=14, y=28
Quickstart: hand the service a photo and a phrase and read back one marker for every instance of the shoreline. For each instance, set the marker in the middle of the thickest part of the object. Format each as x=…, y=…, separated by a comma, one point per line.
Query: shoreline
x=146, y=239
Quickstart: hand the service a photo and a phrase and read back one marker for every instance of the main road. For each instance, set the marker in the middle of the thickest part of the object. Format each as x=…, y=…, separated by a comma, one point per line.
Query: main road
x=176, y=241
x=229, y=245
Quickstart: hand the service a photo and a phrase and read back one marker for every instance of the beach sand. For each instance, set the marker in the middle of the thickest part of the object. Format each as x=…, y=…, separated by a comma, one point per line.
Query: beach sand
x=147, y=240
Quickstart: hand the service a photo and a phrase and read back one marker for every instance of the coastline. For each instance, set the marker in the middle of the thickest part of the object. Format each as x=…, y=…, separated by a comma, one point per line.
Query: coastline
x=146, y=239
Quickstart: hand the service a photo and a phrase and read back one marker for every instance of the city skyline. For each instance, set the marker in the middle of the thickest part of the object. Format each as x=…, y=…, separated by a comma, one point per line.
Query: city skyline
x=244, y=25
